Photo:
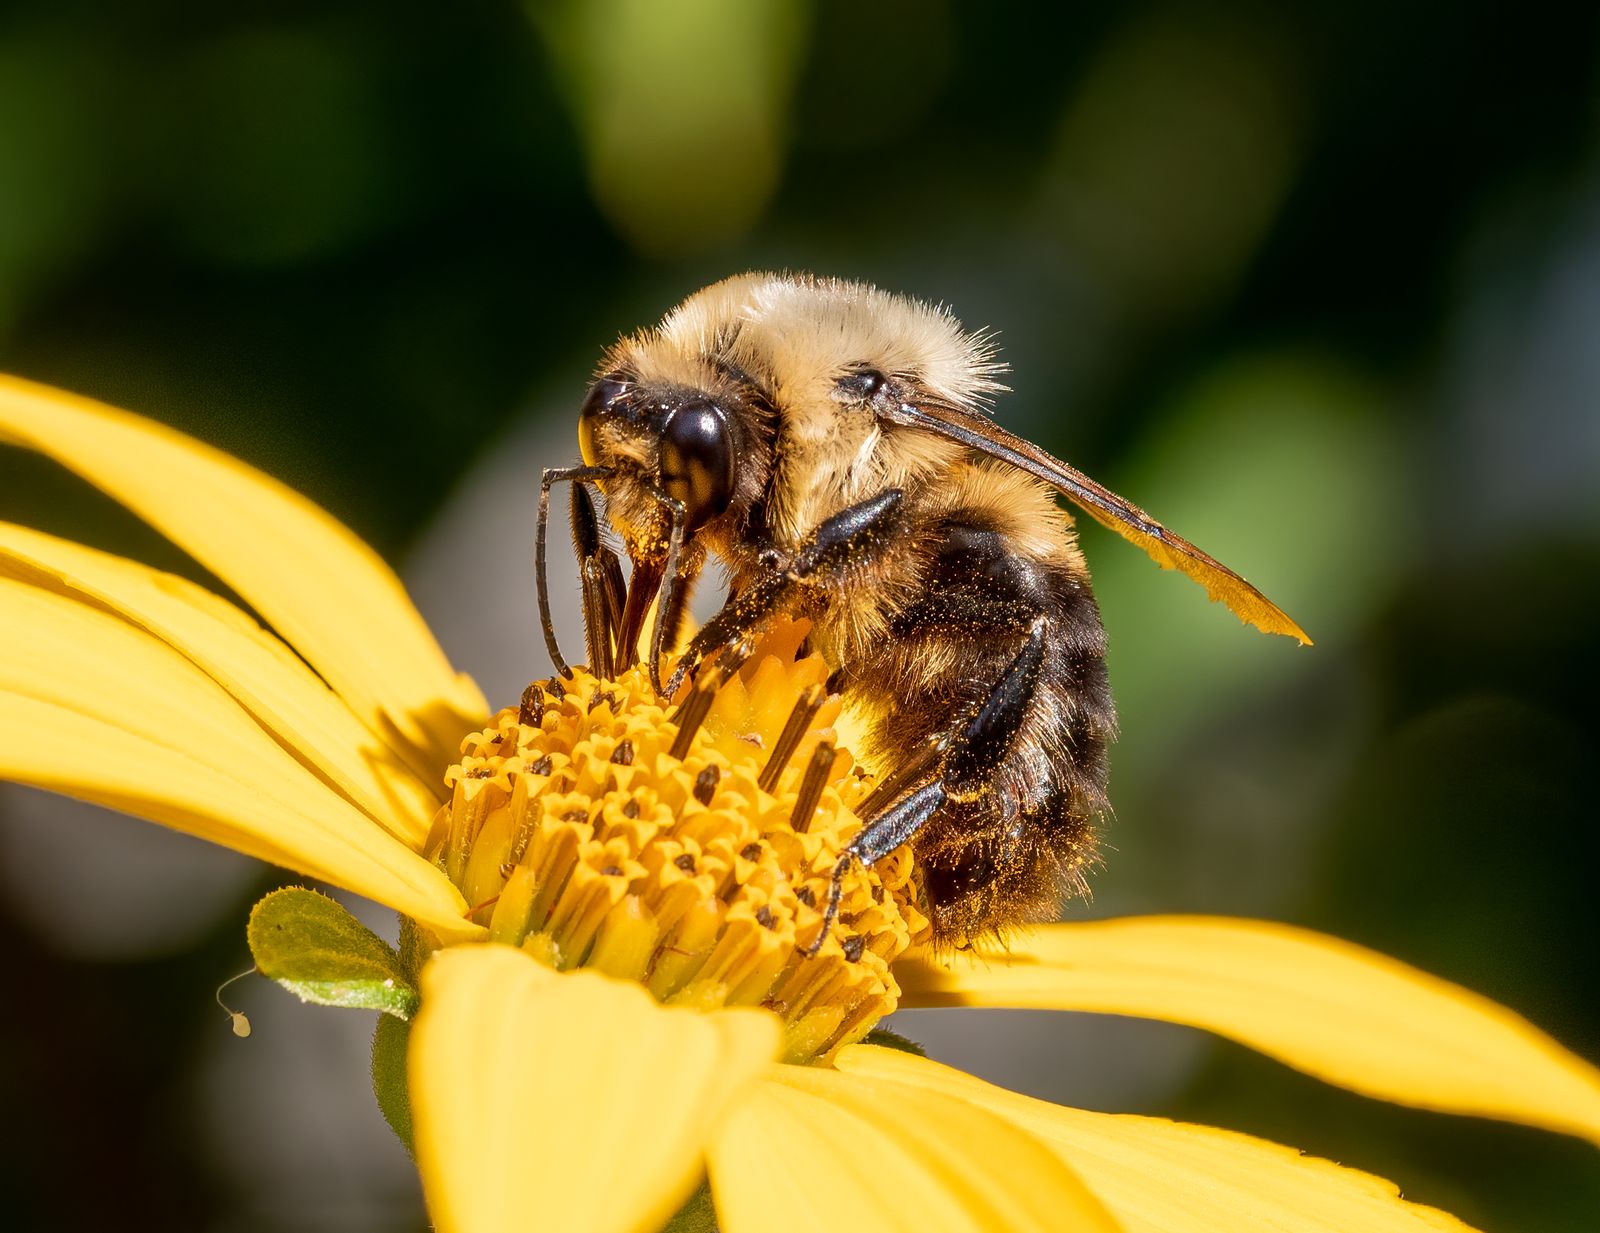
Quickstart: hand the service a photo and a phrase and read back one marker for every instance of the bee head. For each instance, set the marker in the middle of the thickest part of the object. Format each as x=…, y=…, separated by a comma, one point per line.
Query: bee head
x=659, y=441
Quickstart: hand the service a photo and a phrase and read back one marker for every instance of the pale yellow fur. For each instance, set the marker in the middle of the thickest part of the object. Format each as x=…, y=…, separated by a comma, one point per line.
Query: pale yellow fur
x=793, y=337
x=796, y=336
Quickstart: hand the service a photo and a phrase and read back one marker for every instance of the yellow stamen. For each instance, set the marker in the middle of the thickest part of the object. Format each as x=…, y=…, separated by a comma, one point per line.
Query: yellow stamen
x=575, y=833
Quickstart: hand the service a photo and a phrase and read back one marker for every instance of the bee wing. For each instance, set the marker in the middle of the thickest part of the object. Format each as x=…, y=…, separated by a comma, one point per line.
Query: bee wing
x=1129, y=521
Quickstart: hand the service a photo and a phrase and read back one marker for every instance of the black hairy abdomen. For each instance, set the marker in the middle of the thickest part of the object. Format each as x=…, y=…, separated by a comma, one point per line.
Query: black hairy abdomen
x=1024, y=834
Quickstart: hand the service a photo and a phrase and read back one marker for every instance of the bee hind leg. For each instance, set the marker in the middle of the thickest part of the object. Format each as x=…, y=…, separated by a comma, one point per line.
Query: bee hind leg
x=972, y=751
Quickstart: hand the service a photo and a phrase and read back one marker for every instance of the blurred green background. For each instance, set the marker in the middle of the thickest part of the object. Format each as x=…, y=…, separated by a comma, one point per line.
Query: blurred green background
x=1318, y=284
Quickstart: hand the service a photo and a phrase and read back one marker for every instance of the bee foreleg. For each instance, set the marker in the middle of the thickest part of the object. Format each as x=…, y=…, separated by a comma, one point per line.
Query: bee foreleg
x=740, y=616
x=972, y=755
x=846, y=538
x=836, y=546
x=674, y=588
x=551, y=477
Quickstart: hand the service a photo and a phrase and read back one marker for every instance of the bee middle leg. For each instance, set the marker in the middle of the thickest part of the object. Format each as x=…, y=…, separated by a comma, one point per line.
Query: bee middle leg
x=966, y=756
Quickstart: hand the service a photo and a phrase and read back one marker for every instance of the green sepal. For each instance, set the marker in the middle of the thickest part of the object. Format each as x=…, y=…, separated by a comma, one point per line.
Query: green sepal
x=389, y=1044
x=320, y=953
x=893, y=1040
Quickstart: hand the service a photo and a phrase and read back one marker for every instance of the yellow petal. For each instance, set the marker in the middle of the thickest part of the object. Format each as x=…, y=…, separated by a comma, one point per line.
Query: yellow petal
x=266, y=678
x=94, y=708
x=811, y=1148
x=1333, y=1009
x=330, y=596
x=566, y=1102
x=1158, y=1176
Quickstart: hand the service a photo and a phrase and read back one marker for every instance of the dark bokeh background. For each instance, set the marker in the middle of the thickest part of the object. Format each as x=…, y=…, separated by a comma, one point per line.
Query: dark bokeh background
x=1318, y=284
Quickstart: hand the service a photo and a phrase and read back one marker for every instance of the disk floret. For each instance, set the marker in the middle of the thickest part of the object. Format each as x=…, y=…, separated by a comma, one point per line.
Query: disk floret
x=596, y=827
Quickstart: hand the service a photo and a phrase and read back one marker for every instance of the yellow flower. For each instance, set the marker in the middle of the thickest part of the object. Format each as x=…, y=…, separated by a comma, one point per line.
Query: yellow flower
x=648, y=1017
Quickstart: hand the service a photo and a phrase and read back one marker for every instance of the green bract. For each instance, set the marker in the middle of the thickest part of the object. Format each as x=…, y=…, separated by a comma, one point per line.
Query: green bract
x=320, y=953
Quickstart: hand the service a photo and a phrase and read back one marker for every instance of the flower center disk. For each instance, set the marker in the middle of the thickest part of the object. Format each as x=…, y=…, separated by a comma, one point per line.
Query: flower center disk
x=578, y=833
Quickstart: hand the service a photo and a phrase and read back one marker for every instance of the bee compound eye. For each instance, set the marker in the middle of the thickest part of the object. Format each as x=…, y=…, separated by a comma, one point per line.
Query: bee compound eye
x=697, y=460
x=597, y=404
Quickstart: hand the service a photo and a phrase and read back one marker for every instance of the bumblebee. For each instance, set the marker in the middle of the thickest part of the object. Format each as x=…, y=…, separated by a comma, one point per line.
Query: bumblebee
x=829, y=444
